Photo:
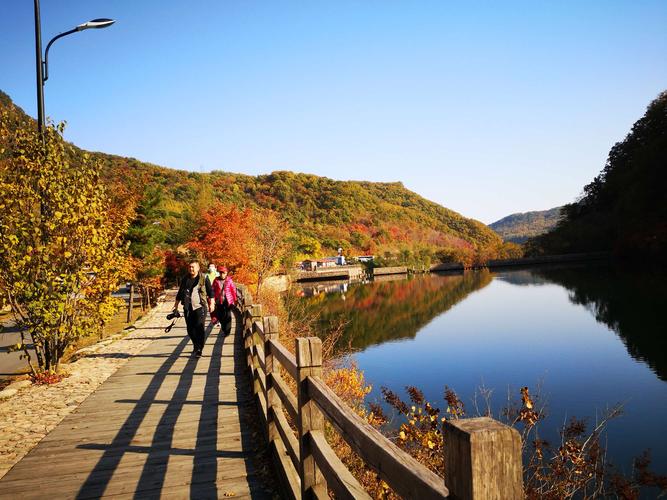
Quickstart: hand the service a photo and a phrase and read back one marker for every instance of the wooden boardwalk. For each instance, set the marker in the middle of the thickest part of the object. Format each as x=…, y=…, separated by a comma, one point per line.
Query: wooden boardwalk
x=165, y=425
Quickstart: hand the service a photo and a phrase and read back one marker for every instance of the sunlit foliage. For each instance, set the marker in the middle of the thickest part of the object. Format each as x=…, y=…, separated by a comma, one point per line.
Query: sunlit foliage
x=517, y=228
x=323, y=214
x=61, y=248
x=624, y=209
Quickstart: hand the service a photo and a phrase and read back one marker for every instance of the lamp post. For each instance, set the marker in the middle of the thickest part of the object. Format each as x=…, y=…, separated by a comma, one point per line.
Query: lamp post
x=43, y=65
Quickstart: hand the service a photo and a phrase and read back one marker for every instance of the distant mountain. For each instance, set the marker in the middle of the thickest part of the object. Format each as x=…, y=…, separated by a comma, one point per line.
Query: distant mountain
x=624, y=209
x=518, y=227
x=361, y=217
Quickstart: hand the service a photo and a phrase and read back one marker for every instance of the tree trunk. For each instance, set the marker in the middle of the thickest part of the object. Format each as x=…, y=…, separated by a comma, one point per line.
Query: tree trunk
x=131, y=304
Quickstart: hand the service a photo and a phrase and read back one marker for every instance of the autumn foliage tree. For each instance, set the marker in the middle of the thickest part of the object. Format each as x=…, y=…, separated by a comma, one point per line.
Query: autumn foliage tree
x=268, y=244
x=249, y=242
x=223, y=236
x=61, y=250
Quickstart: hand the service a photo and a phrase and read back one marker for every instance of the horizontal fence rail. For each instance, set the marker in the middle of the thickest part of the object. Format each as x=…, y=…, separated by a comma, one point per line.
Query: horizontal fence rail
x=482, y=456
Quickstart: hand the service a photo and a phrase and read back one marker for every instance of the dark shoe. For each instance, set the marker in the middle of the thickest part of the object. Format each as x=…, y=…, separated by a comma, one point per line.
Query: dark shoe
x=198, y=353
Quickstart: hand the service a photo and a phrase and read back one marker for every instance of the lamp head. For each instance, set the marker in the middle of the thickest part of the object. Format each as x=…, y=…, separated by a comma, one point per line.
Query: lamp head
x=95, y=23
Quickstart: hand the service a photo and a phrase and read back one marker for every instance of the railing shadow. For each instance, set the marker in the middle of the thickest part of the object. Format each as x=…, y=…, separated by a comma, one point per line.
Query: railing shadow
x=207, y=451
x=100, y=476
x=205, y=463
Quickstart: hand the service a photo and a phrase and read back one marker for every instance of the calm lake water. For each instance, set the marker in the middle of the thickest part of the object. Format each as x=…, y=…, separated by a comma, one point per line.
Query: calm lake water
x=591, y=337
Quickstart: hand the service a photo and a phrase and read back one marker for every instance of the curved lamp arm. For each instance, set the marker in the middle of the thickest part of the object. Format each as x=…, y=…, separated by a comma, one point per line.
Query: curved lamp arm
x=95, y=23
x=45, y=63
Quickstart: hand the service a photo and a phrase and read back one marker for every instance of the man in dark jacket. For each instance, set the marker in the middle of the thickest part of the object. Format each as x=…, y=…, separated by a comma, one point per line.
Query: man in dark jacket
x=195, y=291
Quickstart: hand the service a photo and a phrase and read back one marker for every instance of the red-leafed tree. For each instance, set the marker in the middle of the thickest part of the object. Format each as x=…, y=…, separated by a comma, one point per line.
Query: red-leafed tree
x=175, y=265
x=251, y=243
x=224, y=237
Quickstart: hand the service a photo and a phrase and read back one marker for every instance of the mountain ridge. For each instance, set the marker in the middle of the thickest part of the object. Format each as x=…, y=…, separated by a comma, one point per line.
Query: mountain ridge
x=624, y=208
x=361, y=216
x=520, y=226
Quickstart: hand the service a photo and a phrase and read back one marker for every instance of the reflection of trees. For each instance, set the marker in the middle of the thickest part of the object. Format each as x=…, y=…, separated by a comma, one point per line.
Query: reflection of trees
x=630, y=303
x=379, y=312
x=521, y=278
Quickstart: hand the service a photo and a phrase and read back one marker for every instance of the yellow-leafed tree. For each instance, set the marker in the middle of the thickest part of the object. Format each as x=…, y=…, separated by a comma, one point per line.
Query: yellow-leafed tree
x=61, y=250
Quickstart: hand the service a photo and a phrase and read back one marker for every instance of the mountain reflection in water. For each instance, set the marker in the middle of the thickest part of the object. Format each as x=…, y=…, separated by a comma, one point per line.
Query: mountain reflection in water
x=395, y=308
x=589, y=336
x=389, y=309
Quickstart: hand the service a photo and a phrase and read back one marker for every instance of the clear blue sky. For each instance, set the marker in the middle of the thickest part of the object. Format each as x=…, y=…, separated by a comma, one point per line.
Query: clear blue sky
x=488, y=108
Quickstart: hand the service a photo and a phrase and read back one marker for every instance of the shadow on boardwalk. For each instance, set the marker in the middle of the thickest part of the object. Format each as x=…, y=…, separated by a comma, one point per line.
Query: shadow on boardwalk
x=167, y=424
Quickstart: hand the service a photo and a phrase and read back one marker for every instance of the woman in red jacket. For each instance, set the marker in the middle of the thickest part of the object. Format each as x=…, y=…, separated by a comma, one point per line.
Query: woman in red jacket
x=224, y=291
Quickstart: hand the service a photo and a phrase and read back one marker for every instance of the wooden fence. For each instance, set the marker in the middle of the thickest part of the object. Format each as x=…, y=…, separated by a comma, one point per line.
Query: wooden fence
x=145, y=296
x=482, y=456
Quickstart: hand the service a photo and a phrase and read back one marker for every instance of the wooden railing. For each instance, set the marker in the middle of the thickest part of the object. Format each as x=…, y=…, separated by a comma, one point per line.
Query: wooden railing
x=482, y=456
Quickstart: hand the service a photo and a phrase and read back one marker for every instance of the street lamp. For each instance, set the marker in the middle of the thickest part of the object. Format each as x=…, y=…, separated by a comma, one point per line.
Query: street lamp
x=43, y=65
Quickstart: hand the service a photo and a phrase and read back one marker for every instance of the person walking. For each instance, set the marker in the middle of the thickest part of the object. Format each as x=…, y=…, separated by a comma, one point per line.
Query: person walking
x=194, y=293
x=212, y=273
x=225, y=294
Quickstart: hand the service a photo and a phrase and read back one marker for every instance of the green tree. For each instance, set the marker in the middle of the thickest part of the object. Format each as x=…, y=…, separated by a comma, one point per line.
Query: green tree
x=146, y=236
x=624, y=209
x=61, y=249
x=145, y=231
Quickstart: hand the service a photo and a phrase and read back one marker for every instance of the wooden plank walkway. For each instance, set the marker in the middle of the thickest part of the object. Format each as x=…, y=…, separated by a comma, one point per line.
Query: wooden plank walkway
x=165, y=425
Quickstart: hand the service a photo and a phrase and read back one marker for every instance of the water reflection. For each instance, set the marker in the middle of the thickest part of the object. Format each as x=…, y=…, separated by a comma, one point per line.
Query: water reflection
x=328, y=287
x=630, y=303
x=392, y=308
x=592, y=336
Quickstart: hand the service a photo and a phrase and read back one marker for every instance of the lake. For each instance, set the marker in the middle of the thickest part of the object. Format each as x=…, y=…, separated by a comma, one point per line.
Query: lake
x=588, y=336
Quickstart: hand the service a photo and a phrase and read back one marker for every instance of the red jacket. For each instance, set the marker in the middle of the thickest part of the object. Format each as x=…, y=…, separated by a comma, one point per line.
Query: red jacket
x=224, y=289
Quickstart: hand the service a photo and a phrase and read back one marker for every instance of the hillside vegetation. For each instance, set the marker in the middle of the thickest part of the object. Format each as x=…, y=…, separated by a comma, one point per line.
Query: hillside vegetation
x=624, y=209
x=518, y=227
x=384, y=219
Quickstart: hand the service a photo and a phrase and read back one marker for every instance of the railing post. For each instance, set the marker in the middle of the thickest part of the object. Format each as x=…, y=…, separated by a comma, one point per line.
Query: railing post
x=482, y=460
x=309, y=364
x=272, y=399
x=247, y=319
x=256, y=315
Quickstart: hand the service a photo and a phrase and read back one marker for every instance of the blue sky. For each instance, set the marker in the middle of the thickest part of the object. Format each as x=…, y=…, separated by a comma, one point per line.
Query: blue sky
x=488, y=108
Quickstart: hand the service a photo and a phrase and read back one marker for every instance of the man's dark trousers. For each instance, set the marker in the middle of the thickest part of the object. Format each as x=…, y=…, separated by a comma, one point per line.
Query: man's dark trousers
x=194, y=321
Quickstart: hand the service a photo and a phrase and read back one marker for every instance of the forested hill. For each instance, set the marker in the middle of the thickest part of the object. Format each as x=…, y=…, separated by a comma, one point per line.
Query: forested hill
x=624, y=209
x=362, y=217
x=519, y=227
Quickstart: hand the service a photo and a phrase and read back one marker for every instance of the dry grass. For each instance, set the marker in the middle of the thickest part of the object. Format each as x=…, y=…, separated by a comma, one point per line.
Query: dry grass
x=575, y=467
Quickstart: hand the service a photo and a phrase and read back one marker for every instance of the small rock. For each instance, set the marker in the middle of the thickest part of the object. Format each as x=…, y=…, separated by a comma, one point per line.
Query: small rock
x=7, y=393
x=21, y=384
